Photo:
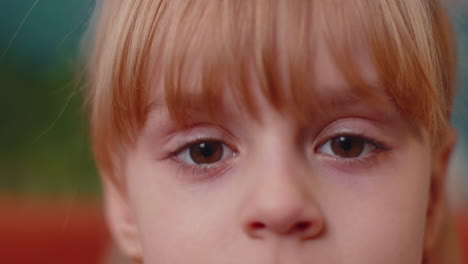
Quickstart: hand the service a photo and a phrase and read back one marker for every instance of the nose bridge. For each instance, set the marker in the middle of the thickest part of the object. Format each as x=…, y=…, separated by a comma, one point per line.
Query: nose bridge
x=281, y=200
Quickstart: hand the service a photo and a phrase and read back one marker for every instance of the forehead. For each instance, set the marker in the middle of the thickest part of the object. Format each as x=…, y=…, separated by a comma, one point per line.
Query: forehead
x=331, y=94
x=280, y=53
x=194, y=52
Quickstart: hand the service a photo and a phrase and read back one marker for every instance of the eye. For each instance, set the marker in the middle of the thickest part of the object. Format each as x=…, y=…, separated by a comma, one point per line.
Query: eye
x=348, y=147
x=205, y=152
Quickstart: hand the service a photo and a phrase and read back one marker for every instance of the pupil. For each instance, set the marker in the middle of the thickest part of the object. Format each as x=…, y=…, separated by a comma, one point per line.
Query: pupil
x=206, y=152
x=348, y=147
x=346, y=143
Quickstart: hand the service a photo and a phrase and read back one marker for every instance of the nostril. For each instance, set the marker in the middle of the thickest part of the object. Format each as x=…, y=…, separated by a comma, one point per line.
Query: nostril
x=256, y=229
x=257, y=225
x=302, y=226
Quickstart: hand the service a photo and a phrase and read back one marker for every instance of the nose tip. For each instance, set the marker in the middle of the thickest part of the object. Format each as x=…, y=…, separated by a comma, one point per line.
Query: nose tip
x=303, y=224
x=301, y=229
x=283, y=199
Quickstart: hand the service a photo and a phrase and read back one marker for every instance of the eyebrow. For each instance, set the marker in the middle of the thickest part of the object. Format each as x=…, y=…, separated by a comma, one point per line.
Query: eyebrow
x=373, y=97
x=159, y=105
x=156, y=104
x=342, y=99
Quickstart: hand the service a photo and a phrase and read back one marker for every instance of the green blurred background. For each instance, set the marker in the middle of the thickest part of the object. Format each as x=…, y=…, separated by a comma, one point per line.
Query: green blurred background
x=43, y=136
x=44, y=146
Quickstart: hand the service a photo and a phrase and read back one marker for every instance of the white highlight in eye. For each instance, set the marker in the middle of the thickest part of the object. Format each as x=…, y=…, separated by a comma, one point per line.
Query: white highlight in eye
x=185, y=156
x=327, y=149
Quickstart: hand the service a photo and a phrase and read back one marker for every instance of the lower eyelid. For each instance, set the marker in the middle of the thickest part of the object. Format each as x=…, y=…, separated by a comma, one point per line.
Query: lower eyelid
x=200, y=172
x=365, y=162
x=378, y=152
x=186, y=149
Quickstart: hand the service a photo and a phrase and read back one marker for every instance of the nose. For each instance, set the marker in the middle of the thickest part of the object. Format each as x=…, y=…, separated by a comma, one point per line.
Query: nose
x=281, y=205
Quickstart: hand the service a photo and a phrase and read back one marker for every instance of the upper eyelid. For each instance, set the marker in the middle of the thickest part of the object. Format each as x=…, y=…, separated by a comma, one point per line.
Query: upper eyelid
x=350, y=125
x=197, y=128
x=186, y=145
x=353, y=126
x=205, y=131
x=368, y=140
x=196, y=132
x=191, y=142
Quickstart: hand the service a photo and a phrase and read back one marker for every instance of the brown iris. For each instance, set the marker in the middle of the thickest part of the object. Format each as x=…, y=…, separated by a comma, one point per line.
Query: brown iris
x=348, y=146
x=206, y=152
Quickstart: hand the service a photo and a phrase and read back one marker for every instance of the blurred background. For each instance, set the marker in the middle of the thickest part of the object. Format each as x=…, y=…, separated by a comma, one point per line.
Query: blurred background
x=50, y=208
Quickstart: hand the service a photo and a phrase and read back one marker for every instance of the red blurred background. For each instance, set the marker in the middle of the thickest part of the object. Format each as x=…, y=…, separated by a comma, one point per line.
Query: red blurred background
x=57, y=231
x=52, y=231
x=50, y=210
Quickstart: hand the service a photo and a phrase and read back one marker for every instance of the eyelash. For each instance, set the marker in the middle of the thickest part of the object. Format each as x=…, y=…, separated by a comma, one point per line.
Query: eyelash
x=381, y=149
x=200, y=172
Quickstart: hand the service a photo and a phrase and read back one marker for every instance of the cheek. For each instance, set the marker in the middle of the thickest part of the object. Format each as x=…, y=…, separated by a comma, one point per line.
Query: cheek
x=381, y=215
x=177, y=223
x=378, y=217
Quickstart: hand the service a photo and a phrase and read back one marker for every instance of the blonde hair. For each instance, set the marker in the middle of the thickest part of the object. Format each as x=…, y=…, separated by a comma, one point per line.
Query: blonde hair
x=199, y=46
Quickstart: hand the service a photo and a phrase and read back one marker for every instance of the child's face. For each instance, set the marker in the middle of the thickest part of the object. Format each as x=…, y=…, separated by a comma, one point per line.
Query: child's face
x=351, y=186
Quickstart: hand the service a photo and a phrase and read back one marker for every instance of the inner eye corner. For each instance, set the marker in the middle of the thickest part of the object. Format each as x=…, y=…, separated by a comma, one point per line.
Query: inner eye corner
x=316, y=149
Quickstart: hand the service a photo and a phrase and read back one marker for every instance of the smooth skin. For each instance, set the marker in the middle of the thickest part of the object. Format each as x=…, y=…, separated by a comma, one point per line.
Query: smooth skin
x=359, y=183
